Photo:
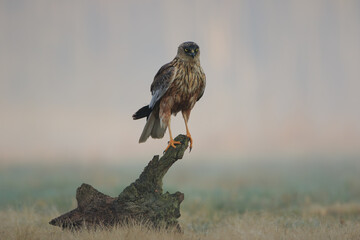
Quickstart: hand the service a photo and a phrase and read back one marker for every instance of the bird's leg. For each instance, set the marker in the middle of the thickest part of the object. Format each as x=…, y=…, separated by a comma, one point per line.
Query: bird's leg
x=186, y=117
x=171, y=142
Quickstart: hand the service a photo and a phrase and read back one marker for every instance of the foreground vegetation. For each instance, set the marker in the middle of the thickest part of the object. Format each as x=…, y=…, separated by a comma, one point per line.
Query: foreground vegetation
x=252, y=200
x=30, y=224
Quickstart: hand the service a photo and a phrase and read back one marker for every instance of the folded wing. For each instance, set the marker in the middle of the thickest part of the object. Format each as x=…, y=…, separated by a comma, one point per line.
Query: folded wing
x=162, y=81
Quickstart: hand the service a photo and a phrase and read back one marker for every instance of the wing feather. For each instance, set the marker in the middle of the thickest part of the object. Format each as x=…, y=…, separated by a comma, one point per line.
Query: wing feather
x=162, y=81
x=203, y=78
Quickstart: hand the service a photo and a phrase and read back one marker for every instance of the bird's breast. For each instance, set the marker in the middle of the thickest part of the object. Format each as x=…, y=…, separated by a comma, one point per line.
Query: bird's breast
x=186, y=88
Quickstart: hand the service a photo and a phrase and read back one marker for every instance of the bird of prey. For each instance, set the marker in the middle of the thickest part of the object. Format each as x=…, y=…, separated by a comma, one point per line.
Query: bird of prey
x=177, y=86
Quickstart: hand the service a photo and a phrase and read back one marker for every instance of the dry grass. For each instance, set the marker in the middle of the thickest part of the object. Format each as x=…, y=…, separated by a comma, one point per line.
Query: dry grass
x=265, y=201
x=31, y=224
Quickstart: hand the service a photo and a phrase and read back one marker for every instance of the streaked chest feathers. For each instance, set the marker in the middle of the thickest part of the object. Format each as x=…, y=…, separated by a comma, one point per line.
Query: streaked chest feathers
x=186, y=87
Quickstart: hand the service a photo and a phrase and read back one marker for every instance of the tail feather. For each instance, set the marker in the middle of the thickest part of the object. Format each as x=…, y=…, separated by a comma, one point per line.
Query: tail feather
x=148, y=128
x=153, y=126
x=142, y=112
x=158, y=129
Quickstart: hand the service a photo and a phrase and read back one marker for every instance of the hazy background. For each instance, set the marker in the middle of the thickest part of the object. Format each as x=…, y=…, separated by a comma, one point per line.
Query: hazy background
x=282, y=78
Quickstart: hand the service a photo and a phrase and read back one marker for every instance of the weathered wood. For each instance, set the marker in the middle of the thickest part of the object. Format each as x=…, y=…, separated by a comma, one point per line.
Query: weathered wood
x=142, y=201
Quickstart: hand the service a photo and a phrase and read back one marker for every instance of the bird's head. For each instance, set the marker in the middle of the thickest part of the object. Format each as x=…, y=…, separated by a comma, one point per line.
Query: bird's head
x=188, y=51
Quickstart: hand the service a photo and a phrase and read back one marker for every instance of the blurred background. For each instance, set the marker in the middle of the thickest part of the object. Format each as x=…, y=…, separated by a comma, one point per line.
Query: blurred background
x=282, y=78
x=278, y=127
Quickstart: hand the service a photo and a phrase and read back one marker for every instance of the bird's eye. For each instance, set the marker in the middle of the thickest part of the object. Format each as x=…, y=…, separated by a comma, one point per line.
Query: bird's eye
x=186, y=50
x=196, y=50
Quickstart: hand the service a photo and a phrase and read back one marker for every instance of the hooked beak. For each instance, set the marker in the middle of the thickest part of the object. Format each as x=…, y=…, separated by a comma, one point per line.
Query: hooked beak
x=192, y=53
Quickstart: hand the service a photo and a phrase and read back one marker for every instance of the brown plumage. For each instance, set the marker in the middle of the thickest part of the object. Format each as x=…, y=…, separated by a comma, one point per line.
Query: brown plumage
x=177, y=86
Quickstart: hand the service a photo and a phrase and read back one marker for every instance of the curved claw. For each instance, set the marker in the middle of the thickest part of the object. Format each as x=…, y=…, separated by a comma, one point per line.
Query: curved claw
x=172, y=144
x=191, y=141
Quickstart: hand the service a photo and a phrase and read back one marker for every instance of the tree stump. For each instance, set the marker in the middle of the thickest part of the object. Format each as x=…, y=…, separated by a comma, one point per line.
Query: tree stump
x=142, y=201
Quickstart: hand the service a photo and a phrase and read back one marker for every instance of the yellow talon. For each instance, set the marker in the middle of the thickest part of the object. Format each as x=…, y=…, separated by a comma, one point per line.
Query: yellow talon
x=172, y=144
x=191, y=141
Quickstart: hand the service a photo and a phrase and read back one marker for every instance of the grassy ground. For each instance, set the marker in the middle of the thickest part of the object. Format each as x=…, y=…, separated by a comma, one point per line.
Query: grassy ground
x=29, y=224
x=253, y=200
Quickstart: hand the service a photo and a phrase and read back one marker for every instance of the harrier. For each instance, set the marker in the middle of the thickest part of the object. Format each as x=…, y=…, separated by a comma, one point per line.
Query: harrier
x=177, y=86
